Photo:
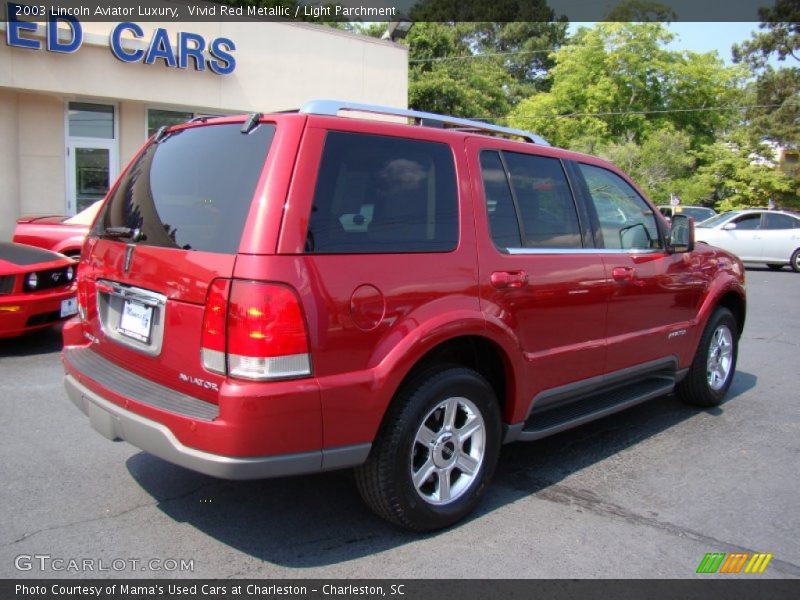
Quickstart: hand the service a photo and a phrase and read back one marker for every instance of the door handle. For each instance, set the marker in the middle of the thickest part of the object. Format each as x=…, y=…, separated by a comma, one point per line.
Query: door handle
x=623, y=273
x=509, y=279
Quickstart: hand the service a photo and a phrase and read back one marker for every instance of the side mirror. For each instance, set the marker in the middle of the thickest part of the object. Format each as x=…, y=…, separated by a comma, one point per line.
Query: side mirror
x=729, y=226
x=681, y=235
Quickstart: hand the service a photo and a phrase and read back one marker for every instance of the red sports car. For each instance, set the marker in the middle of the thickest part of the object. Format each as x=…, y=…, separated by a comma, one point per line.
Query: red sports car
x=57, y=233
x=37, y=289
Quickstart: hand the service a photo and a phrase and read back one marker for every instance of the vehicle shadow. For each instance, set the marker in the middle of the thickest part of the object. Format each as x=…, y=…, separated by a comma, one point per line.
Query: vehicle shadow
x=320, y=520
x=786, y=270
x=44, y=341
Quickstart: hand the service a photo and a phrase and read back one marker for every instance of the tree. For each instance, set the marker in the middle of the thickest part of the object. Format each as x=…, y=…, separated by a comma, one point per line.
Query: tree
x=774, y=96
x=780, y=35
x=507, y=43
x=617, y=82
x=663, y=159
x=734, y=175
x=442, y=81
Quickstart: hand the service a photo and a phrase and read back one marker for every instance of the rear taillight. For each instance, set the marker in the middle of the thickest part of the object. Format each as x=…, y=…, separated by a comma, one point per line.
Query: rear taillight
x=83, y=298
x=213, y=340
x=254, y=330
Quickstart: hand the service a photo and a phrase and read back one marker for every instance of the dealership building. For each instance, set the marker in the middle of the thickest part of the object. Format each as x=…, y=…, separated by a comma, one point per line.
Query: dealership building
x=78, y=98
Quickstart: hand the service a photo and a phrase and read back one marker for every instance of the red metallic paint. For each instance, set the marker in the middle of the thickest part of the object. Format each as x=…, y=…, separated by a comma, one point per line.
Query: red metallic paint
x=18, y=306
x=571, y=321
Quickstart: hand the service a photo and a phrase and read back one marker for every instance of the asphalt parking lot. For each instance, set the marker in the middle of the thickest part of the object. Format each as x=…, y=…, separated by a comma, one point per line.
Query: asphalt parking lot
x=643, y=494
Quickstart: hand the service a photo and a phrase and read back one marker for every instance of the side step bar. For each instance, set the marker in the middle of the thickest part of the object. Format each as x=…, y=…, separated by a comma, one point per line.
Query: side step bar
x=565, y=416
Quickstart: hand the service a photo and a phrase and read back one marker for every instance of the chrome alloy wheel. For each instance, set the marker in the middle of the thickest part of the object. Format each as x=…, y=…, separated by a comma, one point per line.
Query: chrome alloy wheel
x=448, y=451
x=720, y=358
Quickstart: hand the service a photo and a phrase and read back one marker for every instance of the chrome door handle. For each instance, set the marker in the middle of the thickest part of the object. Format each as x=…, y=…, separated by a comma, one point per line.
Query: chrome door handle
x=509, y=279
x=623, y=273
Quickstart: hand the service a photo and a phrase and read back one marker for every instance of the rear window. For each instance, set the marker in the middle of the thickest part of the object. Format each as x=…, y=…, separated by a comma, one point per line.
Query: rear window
x=378, y=194
x=193, y=190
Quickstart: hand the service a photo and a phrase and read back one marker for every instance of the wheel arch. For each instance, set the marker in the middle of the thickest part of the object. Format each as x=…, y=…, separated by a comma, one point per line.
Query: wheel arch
x=735, y=303
x=477, y=352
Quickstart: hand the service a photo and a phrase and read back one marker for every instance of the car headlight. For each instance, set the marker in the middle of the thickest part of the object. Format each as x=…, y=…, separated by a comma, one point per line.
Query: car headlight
x=70, y=273
x=31, y=281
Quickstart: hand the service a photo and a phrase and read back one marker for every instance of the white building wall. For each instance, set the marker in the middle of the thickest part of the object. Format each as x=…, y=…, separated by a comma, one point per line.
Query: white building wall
x=279, y=66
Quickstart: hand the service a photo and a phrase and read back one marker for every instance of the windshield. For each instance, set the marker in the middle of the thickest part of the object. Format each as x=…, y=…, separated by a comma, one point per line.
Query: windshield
x=192, y=190
x=697, y=213
x=717, y=219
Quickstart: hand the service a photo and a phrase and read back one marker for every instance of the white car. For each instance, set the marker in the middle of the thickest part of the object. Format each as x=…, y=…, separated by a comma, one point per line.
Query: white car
x=764, y=236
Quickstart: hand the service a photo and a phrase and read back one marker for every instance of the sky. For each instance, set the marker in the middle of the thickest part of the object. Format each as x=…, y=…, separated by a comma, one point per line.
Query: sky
x=705, y=37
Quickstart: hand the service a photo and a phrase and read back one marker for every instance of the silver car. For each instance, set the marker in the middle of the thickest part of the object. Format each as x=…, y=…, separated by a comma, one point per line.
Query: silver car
x=764, y=236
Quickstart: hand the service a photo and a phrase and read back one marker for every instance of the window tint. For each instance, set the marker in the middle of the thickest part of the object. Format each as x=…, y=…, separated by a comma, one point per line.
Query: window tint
x=778, y=221
x=549, y=218
x=193, y=190
x=626, y=220
x=503, y=224
x=748, y=222
x=382, y=194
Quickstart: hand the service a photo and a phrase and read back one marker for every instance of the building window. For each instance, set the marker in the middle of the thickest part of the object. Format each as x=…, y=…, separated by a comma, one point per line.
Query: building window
x=91, y=120
x=158, y=118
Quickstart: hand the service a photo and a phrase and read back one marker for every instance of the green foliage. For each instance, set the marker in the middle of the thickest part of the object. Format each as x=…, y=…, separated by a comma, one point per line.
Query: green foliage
x=777, y=115
x=735, y=174
x=469, y=88
x=617, y=82
x=479, y=69
x=641, y=11
x=780, y=35
x=661, y=160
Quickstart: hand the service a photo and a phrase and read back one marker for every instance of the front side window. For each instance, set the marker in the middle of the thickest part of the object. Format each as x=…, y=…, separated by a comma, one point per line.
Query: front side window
x=748, y=222
x=379, y=194
x=627, y=222
x=532, y=207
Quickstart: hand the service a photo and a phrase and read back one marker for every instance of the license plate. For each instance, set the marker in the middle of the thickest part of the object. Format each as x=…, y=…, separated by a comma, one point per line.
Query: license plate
x=69, y=307
x=136, y=320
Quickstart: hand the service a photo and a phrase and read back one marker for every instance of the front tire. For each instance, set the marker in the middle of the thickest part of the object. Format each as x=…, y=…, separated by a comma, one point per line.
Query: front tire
x=795, y=261
x=711, y=373
x=436, y=451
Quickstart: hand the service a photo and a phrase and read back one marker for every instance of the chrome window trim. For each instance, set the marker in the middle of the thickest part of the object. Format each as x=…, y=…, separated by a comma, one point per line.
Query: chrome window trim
x=634, y=251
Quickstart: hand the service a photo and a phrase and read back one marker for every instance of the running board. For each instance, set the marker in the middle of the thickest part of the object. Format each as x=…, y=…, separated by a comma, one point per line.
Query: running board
x=552, y=420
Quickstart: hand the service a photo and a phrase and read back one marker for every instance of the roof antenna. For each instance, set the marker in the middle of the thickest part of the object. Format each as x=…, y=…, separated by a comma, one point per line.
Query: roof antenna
x=251, y=123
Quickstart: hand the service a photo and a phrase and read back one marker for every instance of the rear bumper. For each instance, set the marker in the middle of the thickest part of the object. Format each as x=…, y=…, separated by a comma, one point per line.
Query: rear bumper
x=117, y=423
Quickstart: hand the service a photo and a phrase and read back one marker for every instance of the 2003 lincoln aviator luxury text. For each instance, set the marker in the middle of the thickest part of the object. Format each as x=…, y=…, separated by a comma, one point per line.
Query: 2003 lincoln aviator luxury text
x=287, y=293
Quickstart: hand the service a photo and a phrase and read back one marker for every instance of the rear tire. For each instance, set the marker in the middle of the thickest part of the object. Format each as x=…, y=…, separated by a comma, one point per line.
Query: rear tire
x=775, y=267
x=795, y=261
x=436, y=451
x=714, y=365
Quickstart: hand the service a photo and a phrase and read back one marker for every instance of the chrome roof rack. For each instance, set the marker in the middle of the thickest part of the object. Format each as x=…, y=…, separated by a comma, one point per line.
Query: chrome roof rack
x=333, y=107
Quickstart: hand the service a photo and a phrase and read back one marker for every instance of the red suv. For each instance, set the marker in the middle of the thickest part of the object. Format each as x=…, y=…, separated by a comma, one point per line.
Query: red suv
x=297, y=292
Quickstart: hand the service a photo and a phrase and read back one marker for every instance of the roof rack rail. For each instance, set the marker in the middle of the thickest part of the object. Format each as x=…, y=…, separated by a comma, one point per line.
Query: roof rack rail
x=332, y=108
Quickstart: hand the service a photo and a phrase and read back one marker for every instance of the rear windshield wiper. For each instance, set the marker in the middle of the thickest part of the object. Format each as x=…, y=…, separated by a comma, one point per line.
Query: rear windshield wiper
x=122, y=232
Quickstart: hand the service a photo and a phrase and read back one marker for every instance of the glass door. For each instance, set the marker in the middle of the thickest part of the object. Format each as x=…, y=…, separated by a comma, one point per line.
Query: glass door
x=91, y=154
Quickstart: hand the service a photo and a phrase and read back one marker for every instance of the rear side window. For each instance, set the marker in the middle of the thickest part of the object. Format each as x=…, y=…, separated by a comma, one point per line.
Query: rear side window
x=193, y=189
x=535, y=209
x=378, y=194
x=779, y=221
